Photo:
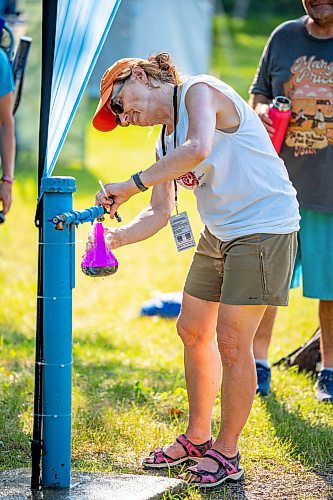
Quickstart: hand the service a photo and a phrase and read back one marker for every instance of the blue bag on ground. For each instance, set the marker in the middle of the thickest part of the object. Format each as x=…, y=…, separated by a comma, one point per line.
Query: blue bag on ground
x=166, y=305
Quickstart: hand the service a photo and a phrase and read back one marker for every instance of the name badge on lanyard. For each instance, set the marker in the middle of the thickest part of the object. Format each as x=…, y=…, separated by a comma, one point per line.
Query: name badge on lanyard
x=180, y=223
x=182, y=231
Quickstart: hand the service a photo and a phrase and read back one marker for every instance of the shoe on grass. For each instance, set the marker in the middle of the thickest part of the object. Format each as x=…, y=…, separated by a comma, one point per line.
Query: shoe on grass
x=158, y=459
x=325, y=386
x=263, y=379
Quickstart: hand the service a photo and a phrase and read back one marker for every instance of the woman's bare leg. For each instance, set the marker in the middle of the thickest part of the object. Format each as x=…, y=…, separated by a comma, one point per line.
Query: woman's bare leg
x=235, y=331
x=197, y=328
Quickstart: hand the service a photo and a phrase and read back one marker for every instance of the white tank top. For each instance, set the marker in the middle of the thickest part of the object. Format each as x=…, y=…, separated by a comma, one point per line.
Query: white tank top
x=242, y=187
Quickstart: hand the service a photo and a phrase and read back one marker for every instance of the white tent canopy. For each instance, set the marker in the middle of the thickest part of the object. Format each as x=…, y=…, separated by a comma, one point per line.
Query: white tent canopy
x=143, y=27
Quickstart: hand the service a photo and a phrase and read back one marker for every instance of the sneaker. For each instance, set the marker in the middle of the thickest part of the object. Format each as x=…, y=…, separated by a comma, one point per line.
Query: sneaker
x=325, y=386
x=263, y=379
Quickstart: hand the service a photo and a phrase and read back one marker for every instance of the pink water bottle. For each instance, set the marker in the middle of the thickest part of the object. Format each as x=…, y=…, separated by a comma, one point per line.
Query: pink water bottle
x=280, y=113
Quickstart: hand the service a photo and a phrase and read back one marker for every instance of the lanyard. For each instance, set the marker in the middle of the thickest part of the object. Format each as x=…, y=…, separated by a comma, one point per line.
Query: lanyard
x=175, y=119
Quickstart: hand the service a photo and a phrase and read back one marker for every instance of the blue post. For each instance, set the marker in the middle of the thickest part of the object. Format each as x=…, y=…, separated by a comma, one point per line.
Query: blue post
x=58, y=272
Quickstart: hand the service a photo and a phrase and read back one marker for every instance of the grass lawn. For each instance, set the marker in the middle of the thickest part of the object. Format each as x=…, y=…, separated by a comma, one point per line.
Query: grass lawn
x=128, y=385
x=128, y=372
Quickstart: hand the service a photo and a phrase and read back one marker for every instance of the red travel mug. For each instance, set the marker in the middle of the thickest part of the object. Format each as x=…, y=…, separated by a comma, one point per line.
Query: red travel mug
x=280, y=113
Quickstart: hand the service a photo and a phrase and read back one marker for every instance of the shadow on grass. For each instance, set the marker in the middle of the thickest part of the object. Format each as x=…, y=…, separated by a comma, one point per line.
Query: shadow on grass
x=15, y=340
x=116, y=380
x=231, y=490
x=312, y=445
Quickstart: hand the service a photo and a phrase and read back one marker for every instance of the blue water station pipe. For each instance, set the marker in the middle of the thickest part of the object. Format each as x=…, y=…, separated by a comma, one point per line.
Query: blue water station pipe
x=58, y=273
x=59, y=281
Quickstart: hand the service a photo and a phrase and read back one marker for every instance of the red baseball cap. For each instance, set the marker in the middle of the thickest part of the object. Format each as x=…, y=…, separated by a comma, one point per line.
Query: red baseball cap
x=104, y=119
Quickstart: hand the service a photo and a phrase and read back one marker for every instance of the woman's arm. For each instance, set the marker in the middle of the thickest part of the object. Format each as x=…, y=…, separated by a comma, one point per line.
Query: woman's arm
x=202, y=109
x=7, y=148
x=205, y=105
x=207, y=109
x=148, y=222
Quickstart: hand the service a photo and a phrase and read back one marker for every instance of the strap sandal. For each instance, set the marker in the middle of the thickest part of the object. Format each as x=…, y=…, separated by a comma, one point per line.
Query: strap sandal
x=227, y=469
x=192, y=452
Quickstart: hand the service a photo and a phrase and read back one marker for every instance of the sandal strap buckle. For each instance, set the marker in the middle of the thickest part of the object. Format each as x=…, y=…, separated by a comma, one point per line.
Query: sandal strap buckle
x=189, y=448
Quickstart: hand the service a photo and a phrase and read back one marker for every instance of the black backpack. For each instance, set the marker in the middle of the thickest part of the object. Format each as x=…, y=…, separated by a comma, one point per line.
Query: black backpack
x=306, y=357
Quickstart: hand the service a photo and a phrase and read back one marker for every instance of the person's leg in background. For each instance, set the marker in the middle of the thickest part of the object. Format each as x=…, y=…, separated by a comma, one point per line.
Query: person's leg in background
x=326, y=325
x=325, y=379
x=264, y=333
x=317, y=268
x=261, y=344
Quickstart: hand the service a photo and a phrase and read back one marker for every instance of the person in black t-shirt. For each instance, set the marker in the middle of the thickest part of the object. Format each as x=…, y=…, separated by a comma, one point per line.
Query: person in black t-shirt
x=298, y=62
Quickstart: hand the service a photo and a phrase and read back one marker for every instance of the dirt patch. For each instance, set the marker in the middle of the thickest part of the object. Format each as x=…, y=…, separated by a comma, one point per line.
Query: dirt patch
x=268, y=485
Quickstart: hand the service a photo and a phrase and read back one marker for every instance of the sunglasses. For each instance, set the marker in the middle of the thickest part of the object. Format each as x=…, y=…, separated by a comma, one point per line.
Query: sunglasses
x=117, y=107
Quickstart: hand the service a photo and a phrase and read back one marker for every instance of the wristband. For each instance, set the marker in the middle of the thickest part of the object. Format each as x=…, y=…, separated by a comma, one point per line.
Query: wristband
x=7, y=178
x=138, y=182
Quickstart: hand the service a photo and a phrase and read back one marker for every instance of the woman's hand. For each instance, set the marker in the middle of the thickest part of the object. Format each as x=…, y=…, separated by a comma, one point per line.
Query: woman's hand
x=118, y=193
x=6, y=196
x=112, y=238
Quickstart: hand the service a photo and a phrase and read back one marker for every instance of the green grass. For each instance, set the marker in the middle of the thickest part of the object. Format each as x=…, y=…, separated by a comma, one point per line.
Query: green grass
x=128, y=373
x=128, y=384
x=237, y=46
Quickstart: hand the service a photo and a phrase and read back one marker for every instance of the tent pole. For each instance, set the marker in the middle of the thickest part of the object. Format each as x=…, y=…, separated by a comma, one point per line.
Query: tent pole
x=49, y=19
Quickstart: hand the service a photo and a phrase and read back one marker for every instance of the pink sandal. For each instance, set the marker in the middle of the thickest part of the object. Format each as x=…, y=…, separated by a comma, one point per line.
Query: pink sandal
x=228, y=468
x=192, y=452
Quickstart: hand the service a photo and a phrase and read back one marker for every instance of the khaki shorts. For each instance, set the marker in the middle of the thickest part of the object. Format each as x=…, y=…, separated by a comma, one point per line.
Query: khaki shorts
x=254, y=269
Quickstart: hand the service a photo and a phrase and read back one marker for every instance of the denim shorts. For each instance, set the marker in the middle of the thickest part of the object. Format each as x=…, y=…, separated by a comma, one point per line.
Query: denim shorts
x=314, y=259
x=250, y=270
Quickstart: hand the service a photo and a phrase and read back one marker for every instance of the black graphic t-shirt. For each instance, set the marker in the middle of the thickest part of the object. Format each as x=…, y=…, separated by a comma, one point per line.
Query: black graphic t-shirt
x=299, y=66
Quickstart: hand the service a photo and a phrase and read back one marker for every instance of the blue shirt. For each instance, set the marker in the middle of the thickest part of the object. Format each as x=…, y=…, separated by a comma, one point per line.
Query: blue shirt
x=6, y=75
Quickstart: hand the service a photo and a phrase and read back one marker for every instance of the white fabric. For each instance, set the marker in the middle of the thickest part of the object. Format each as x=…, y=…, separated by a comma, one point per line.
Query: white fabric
x=144, y=27
x=81, y=30
x=242, y=187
